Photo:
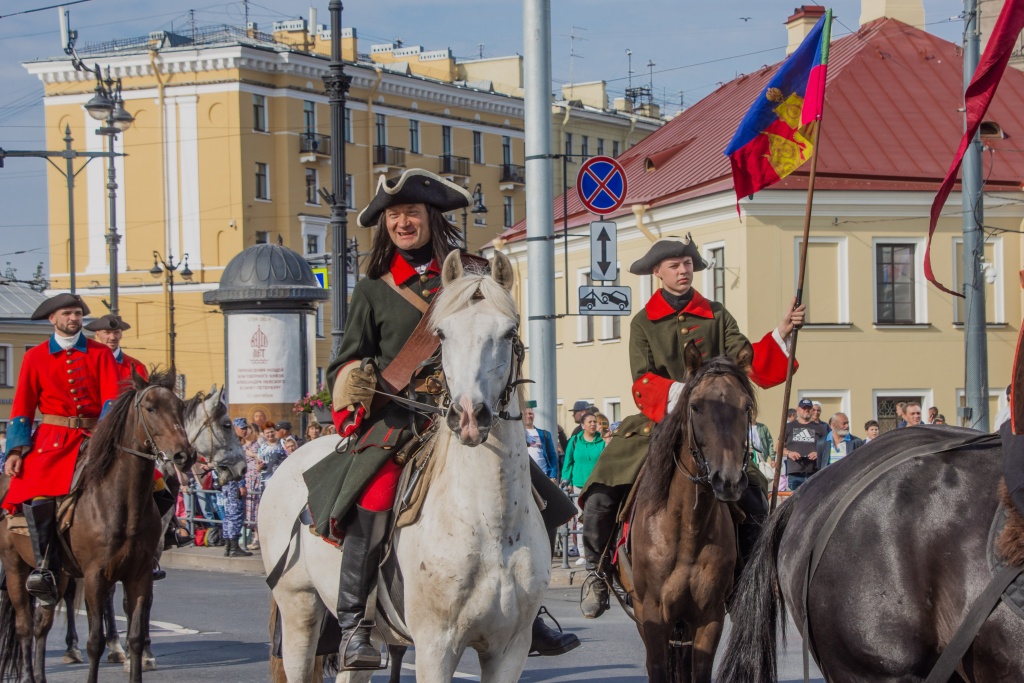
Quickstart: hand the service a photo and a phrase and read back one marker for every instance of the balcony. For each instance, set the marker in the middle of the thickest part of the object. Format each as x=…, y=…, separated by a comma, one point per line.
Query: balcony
x=512, y=176
x=454, y=166
x=387, y=158
x=314, y=143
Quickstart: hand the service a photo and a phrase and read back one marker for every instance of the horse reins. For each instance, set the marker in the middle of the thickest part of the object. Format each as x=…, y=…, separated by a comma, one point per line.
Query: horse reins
x=150, y=443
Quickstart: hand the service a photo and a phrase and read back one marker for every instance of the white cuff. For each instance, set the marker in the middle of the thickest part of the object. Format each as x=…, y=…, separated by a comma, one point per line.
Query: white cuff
x=675, y=390
x=783, y=343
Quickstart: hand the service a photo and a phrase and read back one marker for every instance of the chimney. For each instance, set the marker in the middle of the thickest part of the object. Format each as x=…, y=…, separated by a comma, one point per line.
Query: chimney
x=908, y=11
x=800, y=24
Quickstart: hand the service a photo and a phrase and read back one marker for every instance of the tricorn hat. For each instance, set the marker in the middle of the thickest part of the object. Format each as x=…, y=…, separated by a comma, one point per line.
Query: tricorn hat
x=415, y=186
x=55, y=303
x=668, y=247
x=108, y=322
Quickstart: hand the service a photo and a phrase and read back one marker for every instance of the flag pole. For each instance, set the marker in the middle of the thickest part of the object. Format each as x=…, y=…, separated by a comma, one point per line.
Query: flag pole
x=779, y=457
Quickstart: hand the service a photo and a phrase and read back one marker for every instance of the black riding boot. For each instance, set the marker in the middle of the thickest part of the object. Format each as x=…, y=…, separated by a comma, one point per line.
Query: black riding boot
x=599, y=513
x=360, y=560
x=755, y=505
x=41, y=517
x=548, y=642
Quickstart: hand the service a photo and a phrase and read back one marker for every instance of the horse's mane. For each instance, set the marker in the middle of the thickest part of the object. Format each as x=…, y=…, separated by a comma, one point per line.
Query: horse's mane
x=103, y=447
x=669, y=437
x=458, y=294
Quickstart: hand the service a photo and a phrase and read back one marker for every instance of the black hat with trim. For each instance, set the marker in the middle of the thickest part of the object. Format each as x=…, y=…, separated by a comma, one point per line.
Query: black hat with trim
x=55, y=303
x=108, y=322
x=415, y=186
x=665, y=248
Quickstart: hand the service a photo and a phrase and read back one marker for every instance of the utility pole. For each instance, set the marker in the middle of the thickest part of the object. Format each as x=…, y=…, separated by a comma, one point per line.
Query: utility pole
x=337, y=83
x=540, y=229
x=975, y=335
x=69, y=155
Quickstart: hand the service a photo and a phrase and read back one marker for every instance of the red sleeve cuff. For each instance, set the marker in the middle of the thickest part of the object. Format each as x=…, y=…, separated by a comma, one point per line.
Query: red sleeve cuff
x=650, y=393
x=346, y=422
x=768, y=368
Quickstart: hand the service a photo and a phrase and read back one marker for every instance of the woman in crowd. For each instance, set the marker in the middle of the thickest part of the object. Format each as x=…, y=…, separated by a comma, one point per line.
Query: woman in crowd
x=290, y=443
x=581, y=454
x=253, y=484
x=313, y=431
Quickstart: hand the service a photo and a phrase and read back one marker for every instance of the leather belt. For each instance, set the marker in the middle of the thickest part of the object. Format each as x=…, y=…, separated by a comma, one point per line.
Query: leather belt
x=70, y=422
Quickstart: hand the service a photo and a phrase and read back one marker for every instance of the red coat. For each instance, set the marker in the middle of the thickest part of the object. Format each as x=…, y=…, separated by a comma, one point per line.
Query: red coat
x=77, y=382
x=125, y=365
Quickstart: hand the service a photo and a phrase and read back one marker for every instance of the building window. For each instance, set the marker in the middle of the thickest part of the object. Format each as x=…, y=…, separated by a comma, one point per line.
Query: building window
x=826, y=283
x=309, y=117
x=585, y=326
x=350, y=190
x=348, y=125
x=568, y=143
x=613, y=410
x=585, y=146
x=615, y=149
x=885, y=407
x=600, y=147
x=262, y=237
x=446, y=141
x=718, y=275
x=992, y=279
x=382, y=130
x=312, y=244
x=319, y=335
x=611, y=325
x=5, y=365
x=259, y=113
x=506, y=150
x=311, y=196
x=414, y=136
x=509, y=214
x=895, y=284
x=262, y=182
x=478, y=147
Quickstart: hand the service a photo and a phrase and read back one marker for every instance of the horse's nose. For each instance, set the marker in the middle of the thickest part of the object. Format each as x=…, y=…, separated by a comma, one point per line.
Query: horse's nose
x=183, y=459
x=483, y=416
x=726, y=489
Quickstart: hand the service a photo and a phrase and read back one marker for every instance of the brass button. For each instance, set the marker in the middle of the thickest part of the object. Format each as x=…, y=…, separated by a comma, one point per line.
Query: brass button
x=424, y=277
x=646, y=429
x=70, y=371
x=645, y=380
x=684, y=331
x=68, y=362
x=638, y=393
x=74, y=391
x=68, y=352
x=425, y=293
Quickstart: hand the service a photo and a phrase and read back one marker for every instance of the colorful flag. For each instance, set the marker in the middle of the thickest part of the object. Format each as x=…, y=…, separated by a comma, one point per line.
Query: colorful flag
x=978, y=96
x=774, y=138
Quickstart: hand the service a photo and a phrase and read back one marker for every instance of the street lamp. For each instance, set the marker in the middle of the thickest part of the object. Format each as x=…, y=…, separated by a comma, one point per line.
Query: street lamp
x=478, y=207
x=186, y=274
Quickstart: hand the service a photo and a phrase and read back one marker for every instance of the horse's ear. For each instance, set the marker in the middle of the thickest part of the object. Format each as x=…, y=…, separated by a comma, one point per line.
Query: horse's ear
x=213, y=389
x=745, y=358
x=501, y=270
x=452, y=268
x=692, y=359
x=137, y=380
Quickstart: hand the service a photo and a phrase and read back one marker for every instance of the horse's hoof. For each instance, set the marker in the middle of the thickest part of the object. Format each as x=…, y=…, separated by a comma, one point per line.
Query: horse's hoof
x=72, y=656
x=117, y=658
x=149, y=663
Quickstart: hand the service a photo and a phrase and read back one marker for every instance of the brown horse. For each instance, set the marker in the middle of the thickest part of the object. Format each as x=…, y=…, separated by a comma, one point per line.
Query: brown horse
x=683, y=536
x=114, y=536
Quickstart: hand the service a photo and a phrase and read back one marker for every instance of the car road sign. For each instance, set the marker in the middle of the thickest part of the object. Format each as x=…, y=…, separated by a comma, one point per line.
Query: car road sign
x=605, y=300
x=601, y=185
x=604, y=265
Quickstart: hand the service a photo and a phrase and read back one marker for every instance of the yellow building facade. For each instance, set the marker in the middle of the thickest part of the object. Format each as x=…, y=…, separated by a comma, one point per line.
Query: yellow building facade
x=231, y=140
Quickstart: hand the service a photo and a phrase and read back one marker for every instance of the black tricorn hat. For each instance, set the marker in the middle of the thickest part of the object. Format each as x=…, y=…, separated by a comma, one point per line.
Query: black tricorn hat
x=415, y=186
x=668, y=247
x=55, y=303
x=108, y=322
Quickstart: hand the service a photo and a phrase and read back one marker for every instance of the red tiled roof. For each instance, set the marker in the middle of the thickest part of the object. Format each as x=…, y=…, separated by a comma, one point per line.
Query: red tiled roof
x=891, y=122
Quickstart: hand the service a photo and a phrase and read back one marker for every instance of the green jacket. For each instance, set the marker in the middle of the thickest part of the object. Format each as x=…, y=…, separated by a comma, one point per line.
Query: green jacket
x=580, y=457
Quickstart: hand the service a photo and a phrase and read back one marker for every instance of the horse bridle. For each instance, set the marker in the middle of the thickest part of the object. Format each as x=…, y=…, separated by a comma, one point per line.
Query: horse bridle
x=150, y=443
x=207, y=423
x=703, y=476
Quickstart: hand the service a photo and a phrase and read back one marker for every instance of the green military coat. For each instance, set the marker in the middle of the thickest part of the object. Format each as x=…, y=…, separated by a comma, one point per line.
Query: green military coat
x=379, y=323
x=658, y=335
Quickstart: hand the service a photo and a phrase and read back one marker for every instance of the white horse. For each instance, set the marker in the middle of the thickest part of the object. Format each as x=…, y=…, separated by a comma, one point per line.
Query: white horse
x=477, y=561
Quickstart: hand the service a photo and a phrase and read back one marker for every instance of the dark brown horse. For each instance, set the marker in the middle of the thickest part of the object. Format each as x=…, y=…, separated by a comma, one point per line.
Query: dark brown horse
x=114, y=536
x=683, y=535
x=900, y=529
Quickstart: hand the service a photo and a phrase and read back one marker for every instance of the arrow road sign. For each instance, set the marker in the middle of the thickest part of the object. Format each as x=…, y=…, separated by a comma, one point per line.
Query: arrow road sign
x=605, y=300
x=601, y=185
x=603, y=251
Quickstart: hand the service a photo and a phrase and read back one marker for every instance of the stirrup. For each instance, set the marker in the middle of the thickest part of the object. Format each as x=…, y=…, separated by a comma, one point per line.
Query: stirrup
x=46, y=594
x=595, y=587
x=383, y=661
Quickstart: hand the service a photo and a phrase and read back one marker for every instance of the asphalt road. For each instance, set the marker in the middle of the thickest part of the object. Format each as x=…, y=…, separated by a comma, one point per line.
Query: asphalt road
x=211, y=626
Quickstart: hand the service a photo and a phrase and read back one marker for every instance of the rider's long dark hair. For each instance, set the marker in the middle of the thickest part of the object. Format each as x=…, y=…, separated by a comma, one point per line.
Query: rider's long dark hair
x=443, y=238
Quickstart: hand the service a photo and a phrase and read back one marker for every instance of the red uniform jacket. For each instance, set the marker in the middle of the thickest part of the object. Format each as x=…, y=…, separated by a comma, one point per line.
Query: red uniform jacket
x=77, y=382
x=125, y=365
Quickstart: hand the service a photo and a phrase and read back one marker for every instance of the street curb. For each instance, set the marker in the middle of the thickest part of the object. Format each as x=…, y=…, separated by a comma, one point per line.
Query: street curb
x=211, y=559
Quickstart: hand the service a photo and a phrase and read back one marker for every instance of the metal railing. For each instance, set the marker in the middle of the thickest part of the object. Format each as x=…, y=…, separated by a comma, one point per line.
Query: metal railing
x=315, y=143
x=455, y=165
x=388, y=155
x=513, y=173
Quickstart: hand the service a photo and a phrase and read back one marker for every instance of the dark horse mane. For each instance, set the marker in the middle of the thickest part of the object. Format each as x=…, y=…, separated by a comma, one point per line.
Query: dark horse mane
x=670, y=435
x=103, y=447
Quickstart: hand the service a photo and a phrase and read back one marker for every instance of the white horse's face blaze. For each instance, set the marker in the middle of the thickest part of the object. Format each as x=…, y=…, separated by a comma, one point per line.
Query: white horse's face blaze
x=477, y=359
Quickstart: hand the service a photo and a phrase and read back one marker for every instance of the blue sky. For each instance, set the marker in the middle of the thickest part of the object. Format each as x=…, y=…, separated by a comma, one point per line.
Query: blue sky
x=694, y=47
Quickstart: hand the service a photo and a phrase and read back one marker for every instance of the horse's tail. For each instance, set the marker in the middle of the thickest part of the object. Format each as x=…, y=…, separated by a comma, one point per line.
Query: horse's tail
x=10, y=649
x=758, y=610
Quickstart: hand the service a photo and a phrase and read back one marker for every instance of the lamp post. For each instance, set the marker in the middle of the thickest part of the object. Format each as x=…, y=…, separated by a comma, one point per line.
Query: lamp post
x=478, y=207
x=169, y=266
